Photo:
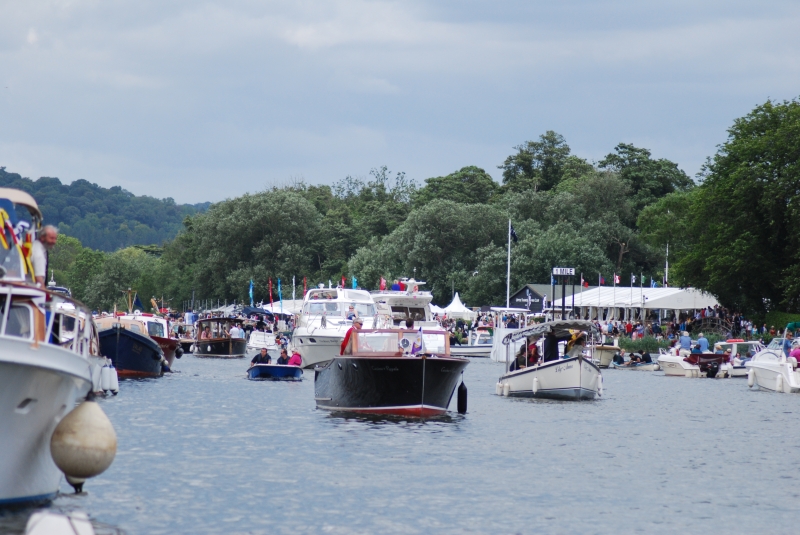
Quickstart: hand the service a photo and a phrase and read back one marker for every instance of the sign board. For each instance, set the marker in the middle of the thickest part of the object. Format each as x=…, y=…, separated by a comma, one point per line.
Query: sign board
x=563, y=271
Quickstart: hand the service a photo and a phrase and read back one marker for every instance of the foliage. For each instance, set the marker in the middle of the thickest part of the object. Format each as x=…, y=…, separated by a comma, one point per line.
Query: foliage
x=648, y=343
x=103, y=218
x=468, y=185
x=537, y=165
x=780, y=319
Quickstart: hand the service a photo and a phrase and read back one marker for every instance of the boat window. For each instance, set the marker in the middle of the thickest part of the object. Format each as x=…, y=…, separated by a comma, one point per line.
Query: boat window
x=20, y=319
x=11, y=260
x=417, y=314
x=387, y=342
x=776, y=343
x=155, y=329
x=134, y=327
x=434, y=343
x=364, y=310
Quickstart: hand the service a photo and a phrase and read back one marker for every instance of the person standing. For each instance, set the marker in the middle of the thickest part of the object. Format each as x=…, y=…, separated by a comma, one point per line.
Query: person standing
x=702, y=341
x=40, y=257
x=347, y=343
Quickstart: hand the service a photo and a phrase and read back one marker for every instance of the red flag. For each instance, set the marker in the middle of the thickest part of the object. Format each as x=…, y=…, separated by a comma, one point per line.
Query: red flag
x=304, y=287
x=383, y=284
x=616, y=278
x=270, y=291
x=343, y=281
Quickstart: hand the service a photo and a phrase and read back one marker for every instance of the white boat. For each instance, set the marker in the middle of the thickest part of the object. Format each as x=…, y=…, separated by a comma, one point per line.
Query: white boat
x=259, y=339
x=736, y=368
x=639, y=366
x=565, y=378
x=771, y=369
x=604, y=354
x=323, y=322
x=40, y=380
x=676, y=365
x=104, y=374
x=395, y=307
x=480, y=344
x=498, y=353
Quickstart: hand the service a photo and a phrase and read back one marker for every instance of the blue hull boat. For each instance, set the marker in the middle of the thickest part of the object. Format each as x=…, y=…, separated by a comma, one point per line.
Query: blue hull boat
x=275, y=372
x=133, y=354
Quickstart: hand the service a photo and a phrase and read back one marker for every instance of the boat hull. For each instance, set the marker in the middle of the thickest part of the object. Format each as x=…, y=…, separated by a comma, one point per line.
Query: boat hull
x=571, y=379
x=605, y=355
x=34, y=397
x=403, y=386
x=642, y=367
x=775, y=376
x=221, y=348
x=316, y=350
x=481, y=351
x=168, y=347
x=133, y=355
x=675, y=366
x=275, y=372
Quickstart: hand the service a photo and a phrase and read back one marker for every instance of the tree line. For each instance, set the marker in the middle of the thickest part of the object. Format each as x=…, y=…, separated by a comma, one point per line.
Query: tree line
x=730, y=231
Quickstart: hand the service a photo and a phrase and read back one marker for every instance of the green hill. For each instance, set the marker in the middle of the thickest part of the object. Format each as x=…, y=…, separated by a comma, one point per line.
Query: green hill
x=104, y=218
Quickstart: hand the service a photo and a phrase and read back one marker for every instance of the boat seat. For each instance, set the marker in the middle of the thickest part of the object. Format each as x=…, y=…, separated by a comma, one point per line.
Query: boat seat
x=793, y=362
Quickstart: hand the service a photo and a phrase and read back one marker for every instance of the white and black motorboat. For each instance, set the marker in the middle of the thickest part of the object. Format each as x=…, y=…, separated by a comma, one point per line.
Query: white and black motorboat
x=324, y=320
x=393, y=372
x=570, y=376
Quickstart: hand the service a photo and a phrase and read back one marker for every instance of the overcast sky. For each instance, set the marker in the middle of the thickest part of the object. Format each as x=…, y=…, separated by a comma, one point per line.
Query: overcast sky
x=207, y=100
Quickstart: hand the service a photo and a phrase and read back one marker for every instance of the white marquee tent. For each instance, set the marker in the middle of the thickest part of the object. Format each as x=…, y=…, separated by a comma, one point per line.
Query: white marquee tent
x=456, y=309
x=629, y=303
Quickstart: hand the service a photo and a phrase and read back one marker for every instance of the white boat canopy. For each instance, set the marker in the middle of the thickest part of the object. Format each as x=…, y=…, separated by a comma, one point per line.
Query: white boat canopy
x=456, y=309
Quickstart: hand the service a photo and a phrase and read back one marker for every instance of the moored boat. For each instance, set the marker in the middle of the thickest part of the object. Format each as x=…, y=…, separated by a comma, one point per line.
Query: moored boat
x=212, y=339
x=604, y=354
x=741, y=351
x=569, y=377
x=394, y=372
x=259, y=339
x=708, y=365
x=479, y=344
x=772, y=369
x=158, y=329
x=275, y=372
x=126, y=342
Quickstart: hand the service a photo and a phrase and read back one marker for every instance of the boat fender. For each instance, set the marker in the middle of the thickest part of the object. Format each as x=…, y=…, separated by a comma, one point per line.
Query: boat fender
x=600, y=385
x=164, y=366
x=192, y=348
x=105, y=378
x=751, y=377
x=535, y=386
x=506, y=389
x=50, y=523
x=657, y=367
x=462, y=397
x=84, y=443
x=114, y=381
x=97, y=378
x=178, y=352
x=689, y=373
x=779, y=383
x=498, y=389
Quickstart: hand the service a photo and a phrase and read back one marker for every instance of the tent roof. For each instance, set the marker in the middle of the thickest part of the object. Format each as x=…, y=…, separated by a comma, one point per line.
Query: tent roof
x=456, y=306
x=650, y=298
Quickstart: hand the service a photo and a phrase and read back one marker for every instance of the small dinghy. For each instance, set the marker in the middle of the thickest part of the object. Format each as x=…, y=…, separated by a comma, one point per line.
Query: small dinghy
x=275, y=372
x=640, y=366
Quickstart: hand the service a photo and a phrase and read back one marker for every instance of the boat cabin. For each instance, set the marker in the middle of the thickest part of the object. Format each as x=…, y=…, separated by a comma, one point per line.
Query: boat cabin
x=400, y=342
x=219, y=327
x=110, y=322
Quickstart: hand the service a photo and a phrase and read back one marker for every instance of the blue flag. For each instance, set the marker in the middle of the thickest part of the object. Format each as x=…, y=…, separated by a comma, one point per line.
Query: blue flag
x=137, y=302
x=280, y=295
x=251, y=292
x=355, y=282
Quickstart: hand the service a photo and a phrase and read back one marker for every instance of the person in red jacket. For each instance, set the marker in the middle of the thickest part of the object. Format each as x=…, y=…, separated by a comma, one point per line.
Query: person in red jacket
x=347, y=343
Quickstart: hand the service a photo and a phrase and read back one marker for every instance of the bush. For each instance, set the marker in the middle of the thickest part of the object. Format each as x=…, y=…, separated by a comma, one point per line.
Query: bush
x=780, y=319
x=648, y=343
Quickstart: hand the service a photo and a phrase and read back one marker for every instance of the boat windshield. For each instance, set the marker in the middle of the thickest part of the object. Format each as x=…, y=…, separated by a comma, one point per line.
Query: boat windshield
x=379, y=342
x=155, y=328
x=332, y=308
x=776, y=343
x=11, y=261
x=484, y=339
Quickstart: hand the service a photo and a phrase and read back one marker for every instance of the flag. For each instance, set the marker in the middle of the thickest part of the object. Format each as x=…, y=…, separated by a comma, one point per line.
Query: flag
x=355, y=282
x=304, y=287
x=528, y=300
x=280, y=295
x=513, y=233
x=616, y=278
x=383, y=284
x=137, y=302
x=418, y=344
x=584, y=283
x=653, y=283
x=270, y=292
x=251, y=292
x=343, y=281
x=602, y=280
x=633, y=278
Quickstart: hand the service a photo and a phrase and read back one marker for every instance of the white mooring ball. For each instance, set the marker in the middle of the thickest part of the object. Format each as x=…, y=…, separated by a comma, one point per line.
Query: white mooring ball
x=83, y=444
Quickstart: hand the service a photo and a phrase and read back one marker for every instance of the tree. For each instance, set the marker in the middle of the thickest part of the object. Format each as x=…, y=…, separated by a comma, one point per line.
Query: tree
x=468, y=185
x=537, y=165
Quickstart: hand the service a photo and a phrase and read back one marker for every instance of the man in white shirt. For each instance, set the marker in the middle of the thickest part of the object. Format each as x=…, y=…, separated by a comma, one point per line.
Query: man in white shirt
x=47, y=240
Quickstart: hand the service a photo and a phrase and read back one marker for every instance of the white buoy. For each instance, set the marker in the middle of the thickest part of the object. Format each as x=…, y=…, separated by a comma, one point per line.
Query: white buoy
x=751, y=377
x=498, y=389
x=50, y=523
x=535, y=386
x=506, y=389
x=600, y=385
x=658, y=367
x=84, y=443
x=97, y=378
x=105, y=378
x=114, y=380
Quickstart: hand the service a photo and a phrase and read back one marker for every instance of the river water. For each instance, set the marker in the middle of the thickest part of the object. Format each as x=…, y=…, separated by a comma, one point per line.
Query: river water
x=204, y=450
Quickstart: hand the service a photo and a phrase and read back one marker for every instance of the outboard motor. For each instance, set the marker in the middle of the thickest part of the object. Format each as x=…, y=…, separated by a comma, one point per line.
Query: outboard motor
x=713, y=369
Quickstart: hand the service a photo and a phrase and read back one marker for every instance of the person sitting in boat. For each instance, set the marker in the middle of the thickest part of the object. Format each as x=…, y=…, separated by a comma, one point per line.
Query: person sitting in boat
x=206, y=334
x=351, y=312
x=284, y=358
x=702, y=341
x=520, y=360
x=262, y=358
x=533, y=354
x=696, y=349
x=634, y=360
x=347, y=343
x=619, y=358
x=575, y=346
x=296, y=359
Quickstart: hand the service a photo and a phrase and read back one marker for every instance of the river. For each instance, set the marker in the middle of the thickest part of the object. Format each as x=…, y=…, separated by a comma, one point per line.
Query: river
x=204, y=450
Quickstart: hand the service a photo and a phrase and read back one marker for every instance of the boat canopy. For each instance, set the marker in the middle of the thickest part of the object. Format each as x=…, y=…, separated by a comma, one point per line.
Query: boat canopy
x=22, y=198
x=560, y=328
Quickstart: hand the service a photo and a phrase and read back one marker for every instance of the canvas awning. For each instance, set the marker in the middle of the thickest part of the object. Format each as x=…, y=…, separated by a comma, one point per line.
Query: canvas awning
x=648, y=298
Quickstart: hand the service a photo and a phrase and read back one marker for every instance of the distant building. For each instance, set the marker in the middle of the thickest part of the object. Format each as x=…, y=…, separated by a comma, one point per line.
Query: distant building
x=535, y=295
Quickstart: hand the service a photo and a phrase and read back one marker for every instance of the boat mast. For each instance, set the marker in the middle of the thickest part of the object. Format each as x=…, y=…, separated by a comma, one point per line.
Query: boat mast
x=508, y=268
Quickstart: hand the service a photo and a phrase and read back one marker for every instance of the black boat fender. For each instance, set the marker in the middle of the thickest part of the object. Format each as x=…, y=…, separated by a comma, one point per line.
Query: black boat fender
x=178, y=352
x=462, y=396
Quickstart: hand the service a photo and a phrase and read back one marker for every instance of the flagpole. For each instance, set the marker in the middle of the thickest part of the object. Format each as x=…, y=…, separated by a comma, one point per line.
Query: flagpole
x=599, y=278
x=641, y=292
x=615, y=295
x=666, y=268
x=632, y=290
x=508, y=268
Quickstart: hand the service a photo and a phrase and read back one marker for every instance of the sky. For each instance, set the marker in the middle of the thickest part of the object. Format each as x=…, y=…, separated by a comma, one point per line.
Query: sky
x=202, y=101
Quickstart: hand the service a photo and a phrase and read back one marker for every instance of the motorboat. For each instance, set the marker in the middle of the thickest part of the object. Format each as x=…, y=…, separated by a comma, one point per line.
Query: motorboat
x=158, y=328
x=411, y=303
x=104, y=374
x=771, y=368
x=741, y=352
x=571, y=376
x=502, y=329
x=261, y=339
x=41, y=376
x=708, y=365
x=391, y=371
x=134, y=354
x=325, y=319
x=604, y=354
x=479, y=344
x=186, y=338
x=275, y=372
x=212, y=339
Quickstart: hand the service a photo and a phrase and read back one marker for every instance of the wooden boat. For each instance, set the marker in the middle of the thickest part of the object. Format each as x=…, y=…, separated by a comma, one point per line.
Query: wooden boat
x=131, y=350
x=158, y=330
x=275, y=372
x=220, y=344
x=395, y=372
